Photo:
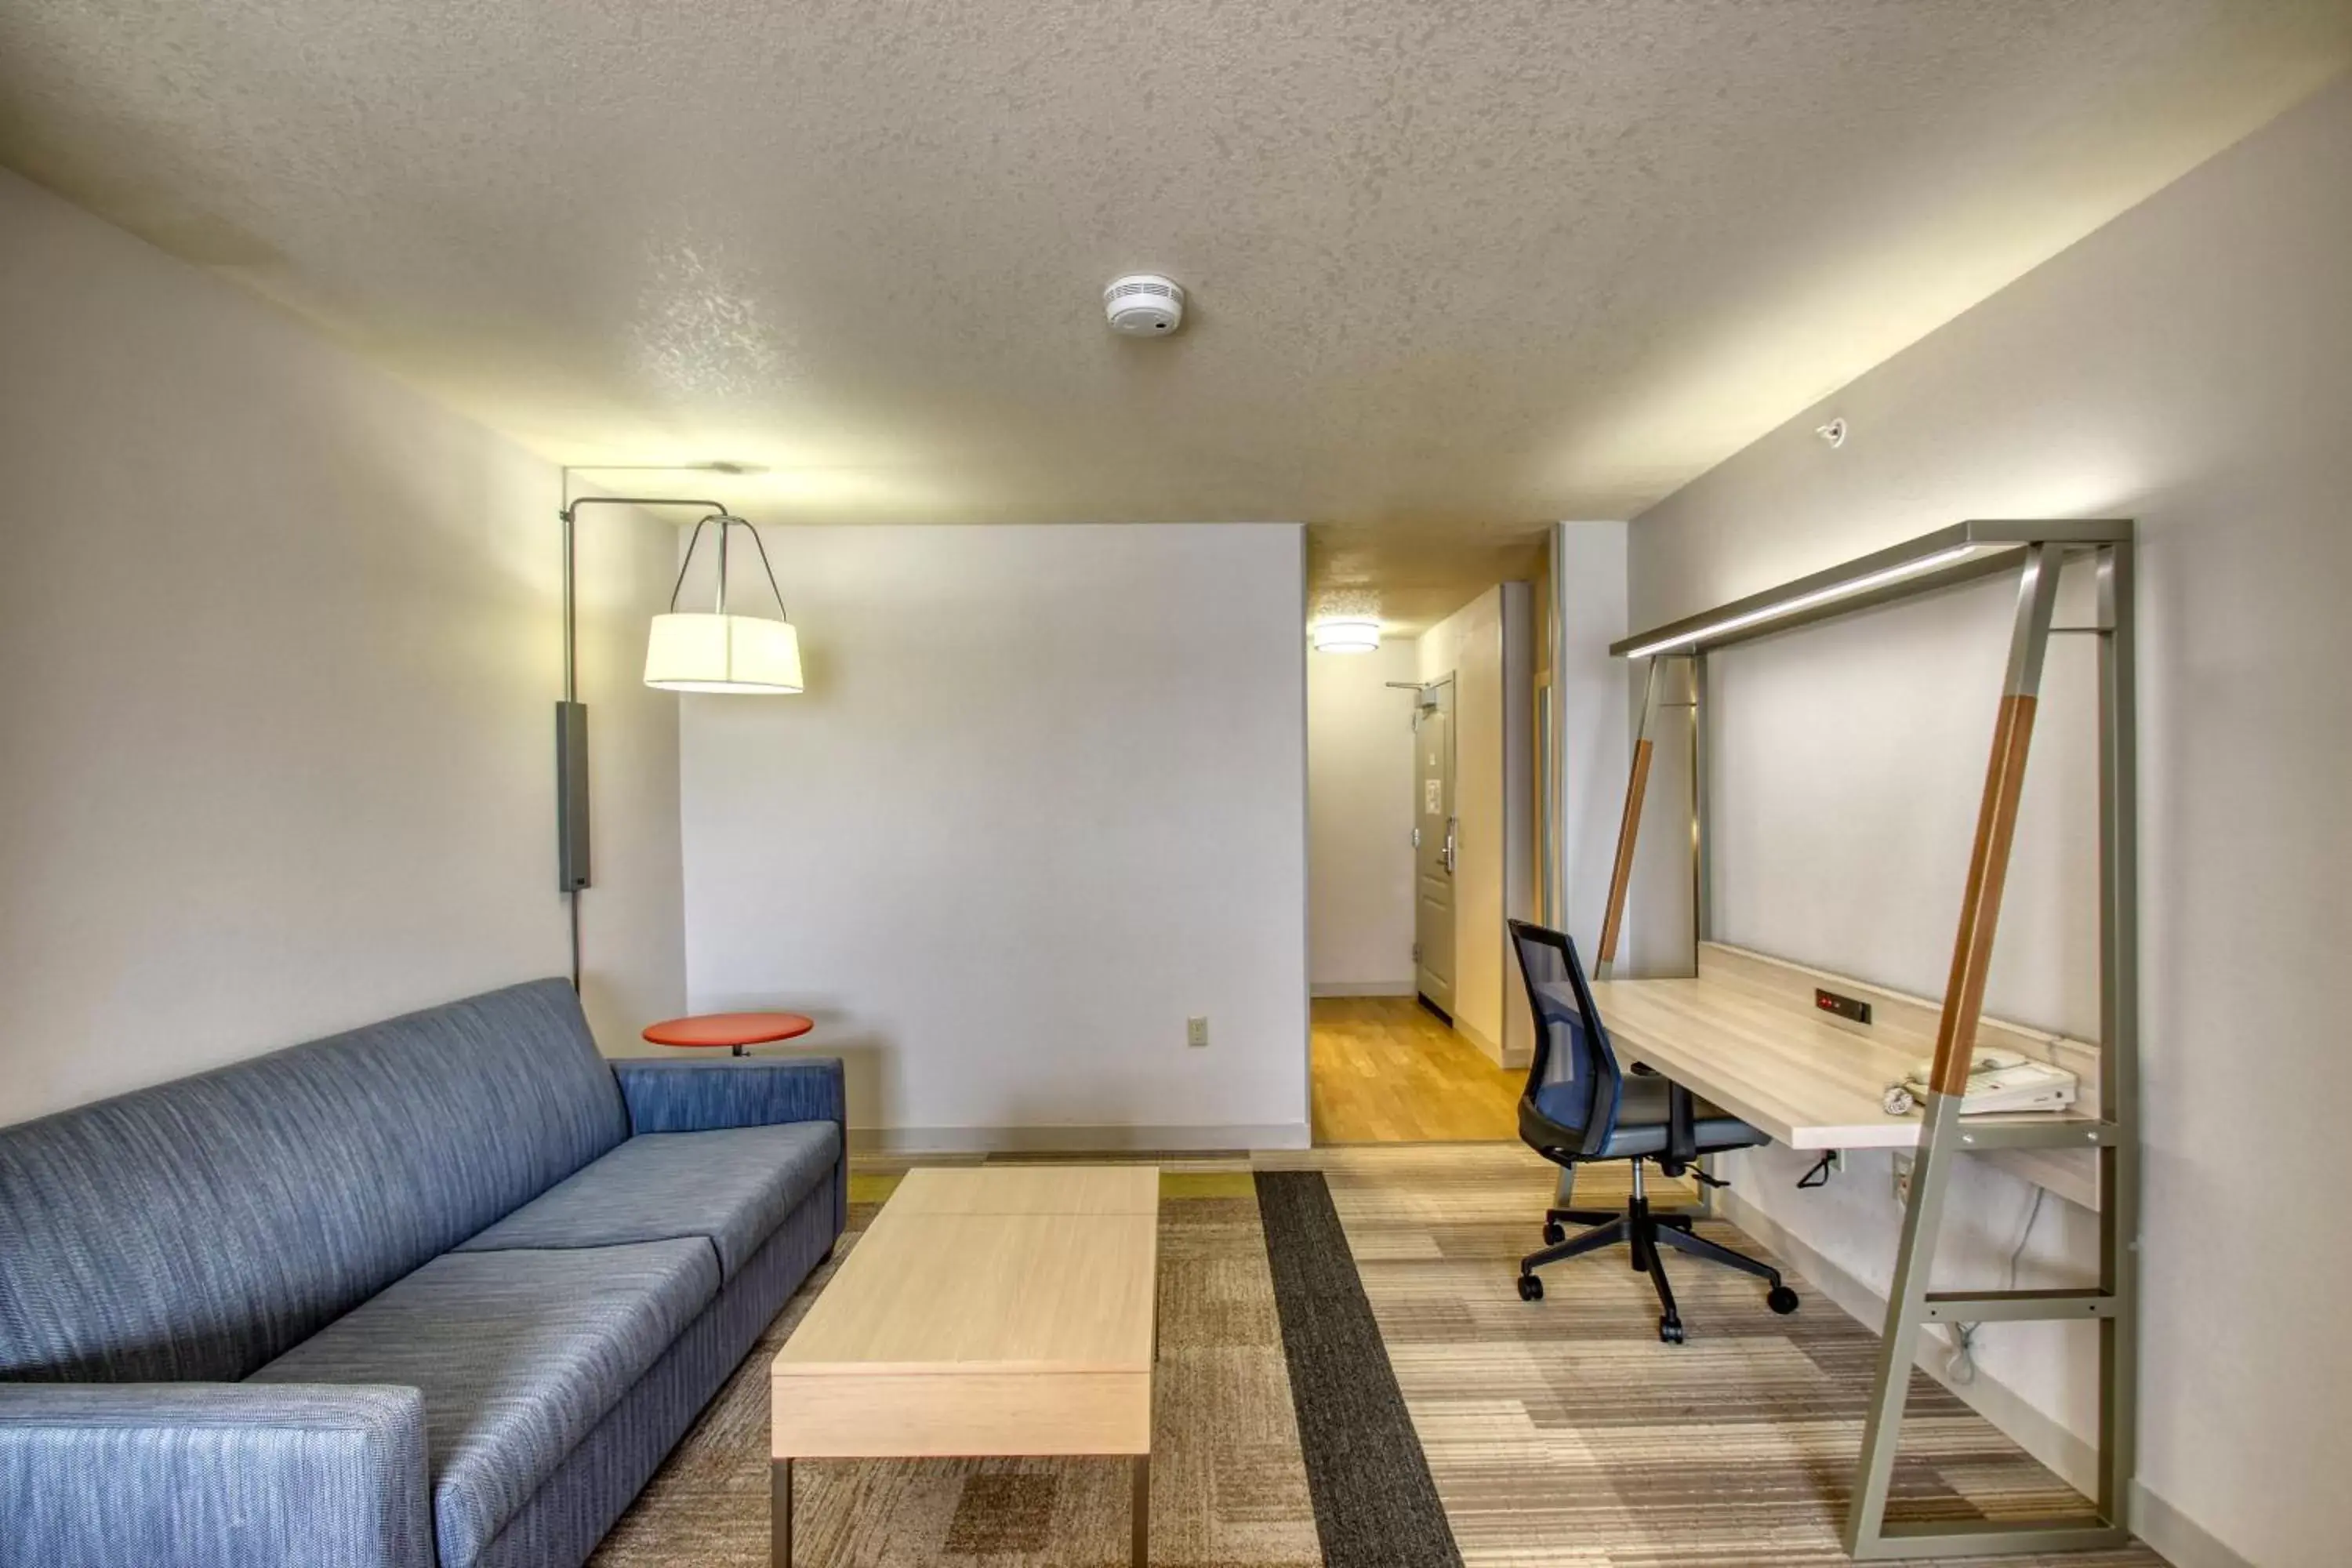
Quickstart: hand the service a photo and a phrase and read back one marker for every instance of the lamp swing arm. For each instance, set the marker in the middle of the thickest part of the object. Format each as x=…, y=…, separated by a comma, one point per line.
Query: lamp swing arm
x=572, y=873
x=569, y=514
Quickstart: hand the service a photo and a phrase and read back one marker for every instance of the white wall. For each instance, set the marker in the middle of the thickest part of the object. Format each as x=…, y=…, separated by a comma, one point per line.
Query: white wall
x=281, y=643
x=632, y=914
x=2190, y=365
x=1043, y=800
x=1359, y=909
x=1589, y=689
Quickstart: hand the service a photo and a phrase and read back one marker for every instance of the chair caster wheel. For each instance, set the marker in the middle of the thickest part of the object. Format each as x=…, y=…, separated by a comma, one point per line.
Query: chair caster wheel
x=1554, y=1232
x=1782, y=1300
x=1671, y=1331
x=1530, y=1288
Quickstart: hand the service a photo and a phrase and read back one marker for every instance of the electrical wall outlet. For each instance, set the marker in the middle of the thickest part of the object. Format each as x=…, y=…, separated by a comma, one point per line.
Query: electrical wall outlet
x=1902, y=1167
x=1196, y=1032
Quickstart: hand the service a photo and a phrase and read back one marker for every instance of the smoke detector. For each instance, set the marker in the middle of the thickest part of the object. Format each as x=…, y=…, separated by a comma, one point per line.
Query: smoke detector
x=1144, y=305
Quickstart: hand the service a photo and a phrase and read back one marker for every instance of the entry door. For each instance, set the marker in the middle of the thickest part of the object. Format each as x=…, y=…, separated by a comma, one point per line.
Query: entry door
x=1433, y=837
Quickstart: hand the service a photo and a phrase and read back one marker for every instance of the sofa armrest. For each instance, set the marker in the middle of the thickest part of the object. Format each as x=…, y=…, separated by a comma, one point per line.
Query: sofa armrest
x=213, y=1475
x=668, y=1096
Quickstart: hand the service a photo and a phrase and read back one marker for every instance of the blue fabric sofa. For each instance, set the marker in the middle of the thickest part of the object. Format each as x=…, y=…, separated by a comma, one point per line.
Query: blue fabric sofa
x=441, y=1291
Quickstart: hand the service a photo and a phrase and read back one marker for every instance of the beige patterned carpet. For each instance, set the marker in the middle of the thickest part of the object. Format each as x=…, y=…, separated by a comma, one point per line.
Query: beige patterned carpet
x=1559, y=1432
x=1227, y=1485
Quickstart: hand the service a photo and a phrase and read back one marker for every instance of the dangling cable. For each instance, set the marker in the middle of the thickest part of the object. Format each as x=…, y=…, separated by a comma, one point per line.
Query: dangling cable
x=1962, y=1366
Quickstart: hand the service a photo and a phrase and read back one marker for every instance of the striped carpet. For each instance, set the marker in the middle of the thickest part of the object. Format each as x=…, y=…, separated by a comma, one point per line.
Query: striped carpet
x=1228, y=1486
x=1556, y=1433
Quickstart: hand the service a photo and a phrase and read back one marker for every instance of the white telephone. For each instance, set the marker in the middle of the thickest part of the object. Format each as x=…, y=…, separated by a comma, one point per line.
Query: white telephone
x=1998, y=1081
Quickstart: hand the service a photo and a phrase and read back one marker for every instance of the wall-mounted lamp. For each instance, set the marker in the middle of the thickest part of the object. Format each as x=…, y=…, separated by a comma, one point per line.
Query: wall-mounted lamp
x=1347, y=635
x=714, y=651
x=684, y=651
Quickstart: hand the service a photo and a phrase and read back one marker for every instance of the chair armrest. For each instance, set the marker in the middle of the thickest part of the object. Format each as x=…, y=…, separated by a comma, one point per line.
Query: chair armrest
x=666, y=1096
x=213, y=1475
x=1682, y=1134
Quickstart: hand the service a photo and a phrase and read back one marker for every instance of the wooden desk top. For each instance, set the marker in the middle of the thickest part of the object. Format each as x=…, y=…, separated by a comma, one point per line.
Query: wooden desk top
x=1799, y=1079
x=1746, y=1035
x=995, y=1270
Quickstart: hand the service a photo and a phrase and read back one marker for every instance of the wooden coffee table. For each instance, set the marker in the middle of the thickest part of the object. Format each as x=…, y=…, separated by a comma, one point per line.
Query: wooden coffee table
x=993, y=1310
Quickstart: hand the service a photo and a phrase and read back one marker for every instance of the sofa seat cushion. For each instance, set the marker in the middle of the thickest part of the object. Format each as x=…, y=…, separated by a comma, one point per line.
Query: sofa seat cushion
x=519, y=1355
x=733, y=1186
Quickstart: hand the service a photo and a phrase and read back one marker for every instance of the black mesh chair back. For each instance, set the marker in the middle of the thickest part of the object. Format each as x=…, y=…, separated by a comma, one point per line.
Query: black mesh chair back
x=1573, y=1081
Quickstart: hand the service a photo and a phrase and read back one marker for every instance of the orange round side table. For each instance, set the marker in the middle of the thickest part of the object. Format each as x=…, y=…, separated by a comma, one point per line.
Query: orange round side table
x=733, y=1030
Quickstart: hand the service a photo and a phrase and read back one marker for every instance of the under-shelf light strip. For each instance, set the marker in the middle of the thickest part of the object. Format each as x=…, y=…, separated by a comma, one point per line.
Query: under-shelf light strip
x=1804, y=602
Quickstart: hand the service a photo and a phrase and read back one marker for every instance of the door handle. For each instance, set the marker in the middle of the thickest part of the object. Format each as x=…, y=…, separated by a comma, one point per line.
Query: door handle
x=1452, y=824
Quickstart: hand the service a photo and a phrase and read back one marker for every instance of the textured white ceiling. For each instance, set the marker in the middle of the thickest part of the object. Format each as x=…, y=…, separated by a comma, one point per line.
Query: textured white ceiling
x=1456, y=268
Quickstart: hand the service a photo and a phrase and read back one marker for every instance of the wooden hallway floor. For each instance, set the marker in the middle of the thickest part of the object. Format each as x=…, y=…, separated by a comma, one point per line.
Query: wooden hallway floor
x=1387, y=1071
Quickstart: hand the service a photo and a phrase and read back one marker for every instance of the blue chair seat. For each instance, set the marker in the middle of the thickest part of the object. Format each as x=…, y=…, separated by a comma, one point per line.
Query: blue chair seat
x=518, y=1355
x=733, y=1186
x=1643, y=1117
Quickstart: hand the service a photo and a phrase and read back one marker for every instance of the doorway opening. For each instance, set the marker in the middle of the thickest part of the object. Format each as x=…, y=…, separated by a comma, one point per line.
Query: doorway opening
x=1421, y=763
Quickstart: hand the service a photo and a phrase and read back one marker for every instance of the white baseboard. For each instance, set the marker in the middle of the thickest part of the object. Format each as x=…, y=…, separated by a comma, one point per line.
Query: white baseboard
x=2175, y=1537
x=1362, y=988
x=1076, y=1139
x=1488, y=1048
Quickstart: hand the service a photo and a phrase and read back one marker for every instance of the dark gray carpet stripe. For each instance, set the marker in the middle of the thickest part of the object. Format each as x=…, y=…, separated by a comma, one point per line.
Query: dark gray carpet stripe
x=1375, y=1505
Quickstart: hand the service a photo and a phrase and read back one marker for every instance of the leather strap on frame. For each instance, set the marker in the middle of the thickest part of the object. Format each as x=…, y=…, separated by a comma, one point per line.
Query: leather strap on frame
x=1955, y=1030
x=1628, y=830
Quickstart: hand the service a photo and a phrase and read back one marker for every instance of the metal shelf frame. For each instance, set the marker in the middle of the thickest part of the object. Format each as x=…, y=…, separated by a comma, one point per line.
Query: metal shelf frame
x=2035, y=552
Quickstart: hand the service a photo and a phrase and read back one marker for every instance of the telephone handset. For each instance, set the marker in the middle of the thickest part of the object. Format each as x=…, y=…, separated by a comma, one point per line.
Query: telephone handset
x=1998, y=1081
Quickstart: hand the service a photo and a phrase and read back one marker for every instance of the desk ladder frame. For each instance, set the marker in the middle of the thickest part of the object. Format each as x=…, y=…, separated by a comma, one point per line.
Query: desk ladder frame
x=2112, y=1304
x=1911, y=1306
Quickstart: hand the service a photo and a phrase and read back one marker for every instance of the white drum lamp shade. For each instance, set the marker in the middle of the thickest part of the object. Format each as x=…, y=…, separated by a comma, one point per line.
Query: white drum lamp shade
x=743, y=655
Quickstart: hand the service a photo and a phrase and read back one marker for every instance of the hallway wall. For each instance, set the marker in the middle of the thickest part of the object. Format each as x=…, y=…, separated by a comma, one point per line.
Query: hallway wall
x=1360, y=908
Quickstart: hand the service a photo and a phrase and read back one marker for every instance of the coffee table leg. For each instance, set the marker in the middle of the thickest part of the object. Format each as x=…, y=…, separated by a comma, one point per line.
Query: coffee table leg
x=780, y=1515
x=1141, y=1510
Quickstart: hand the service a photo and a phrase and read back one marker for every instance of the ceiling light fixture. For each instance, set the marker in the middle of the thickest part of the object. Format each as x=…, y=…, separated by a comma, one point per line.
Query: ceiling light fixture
x=1347, y=635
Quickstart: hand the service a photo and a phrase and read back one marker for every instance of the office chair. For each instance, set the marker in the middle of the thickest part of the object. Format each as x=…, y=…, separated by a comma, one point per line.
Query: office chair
x=1579, y=1107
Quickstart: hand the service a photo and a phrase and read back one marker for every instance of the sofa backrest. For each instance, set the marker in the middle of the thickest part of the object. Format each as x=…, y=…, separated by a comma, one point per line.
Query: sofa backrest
x=199, y=1229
